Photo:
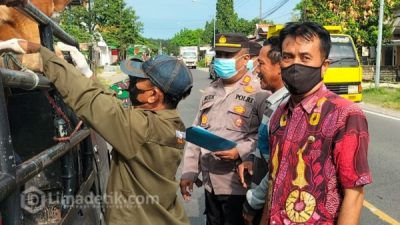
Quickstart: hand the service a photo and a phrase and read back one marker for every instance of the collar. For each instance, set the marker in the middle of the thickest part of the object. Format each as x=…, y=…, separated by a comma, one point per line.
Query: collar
x=310, y=102
x=277, y=96
x=164, y=113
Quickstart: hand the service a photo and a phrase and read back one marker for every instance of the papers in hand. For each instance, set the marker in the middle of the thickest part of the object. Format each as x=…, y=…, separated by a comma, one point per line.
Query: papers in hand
x=205, y=139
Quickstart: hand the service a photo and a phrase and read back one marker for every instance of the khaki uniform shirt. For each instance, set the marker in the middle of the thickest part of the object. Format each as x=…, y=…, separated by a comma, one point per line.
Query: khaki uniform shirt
x=234, y=115
x=148, y=148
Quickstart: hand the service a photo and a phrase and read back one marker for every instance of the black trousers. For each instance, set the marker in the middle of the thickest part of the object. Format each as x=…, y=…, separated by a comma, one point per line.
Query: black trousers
x=224, y=209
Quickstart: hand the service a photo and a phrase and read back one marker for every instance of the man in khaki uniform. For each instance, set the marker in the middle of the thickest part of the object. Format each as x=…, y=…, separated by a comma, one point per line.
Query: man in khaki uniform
x=147, y=138
x=231, y=107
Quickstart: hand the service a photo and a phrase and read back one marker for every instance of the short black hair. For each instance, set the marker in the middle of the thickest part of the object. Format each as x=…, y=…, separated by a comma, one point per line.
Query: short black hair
x=172, y=102
x=308, y=30
x=274, y=54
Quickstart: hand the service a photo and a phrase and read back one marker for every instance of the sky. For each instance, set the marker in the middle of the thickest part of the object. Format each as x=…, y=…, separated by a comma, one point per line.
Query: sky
x=164, y=18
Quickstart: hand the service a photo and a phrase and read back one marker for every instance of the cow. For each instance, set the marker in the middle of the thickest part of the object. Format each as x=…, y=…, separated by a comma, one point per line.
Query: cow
x=15, y=24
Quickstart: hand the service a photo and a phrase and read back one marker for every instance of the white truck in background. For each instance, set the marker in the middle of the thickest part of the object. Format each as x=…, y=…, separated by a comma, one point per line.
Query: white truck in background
x=189, y=55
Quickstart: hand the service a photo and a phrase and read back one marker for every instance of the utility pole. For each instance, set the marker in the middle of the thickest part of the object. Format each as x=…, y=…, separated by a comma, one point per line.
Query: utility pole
x=379, y=49
x=215, y=18
x=260, y=10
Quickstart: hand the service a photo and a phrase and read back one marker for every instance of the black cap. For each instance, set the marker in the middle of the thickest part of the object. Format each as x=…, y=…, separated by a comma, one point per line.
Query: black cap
x=254, y=48
x=165, y=72
x=231, y=42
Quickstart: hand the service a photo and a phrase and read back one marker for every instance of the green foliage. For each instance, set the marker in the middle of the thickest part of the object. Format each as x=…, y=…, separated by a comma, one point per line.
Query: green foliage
x=117, y=23
x=359, y=18
x=75, y=22
x=226, y=16
x=186, y=37
x=202, y=63
x=385, y=97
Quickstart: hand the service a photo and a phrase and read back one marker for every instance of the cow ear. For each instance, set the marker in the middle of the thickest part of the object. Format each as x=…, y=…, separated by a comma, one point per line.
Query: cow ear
x=59, y=5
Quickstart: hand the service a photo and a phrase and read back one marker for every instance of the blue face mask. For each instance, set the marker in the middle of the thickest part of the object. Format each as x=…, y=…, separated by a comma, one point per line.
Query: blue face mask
x=250, y=65
x=225, y=68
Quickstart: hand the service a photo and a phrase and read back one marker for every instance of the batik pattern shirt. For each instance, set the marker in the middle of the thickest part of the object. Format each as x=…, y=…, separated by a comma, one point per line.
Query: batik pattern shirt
x=318, y=149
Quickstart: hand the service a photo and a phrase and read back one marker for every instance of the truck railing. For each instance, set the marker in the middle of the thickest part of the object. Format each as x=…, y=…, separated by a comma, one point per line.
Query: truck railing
x=13, y=176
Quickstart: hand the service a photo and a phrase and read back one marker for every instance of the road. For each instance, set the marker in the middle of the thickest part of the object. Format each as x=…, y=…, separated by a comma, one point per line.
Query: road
x=382, y=205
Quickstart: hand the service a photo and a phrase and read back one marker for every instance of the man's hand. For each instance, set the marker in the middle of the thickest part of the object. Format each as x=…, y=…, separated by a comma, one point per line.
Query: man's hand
x=186, y=188
x=19, y=46
x=12, y=45
x=248, y=219
x=77, y=57
x=229, y=155
x=245, y=167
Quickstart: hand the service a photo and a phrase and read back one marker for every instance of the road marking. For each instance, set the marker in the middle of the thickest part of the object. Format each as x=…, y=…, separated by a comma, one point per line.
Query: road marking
x=382, y=115
x=201, y=90
x=383, y=216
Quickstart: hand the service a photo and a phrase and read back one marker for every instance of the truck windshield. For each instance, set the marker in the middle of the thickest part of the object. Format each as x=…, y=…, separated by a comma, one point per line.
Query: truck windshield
x=189, y=55
x=342, y=55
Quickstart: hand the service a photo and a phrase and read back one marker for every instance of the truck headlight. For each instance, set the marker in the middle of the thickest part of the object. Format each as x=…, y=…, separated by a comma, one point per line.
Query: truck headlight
x=352, y=89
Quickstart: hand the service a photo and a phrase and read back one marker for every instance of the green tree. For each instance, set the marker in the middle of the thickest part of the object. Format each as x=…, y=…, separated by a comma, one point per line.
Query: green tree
x=117, y=23
x=359, y=18
x=187, y=37
x=226, y=16
x=75, y=21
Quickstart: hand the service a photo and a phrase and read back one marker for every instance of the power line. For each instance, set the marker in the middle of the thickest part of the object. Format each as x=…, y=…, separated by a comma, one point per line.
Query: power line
x=274, y=8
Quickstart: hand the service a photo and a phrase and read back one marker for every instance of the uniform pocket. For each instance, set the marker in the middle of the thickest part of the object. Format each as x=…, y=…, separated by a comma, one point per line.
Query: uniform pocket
x=240, y=116
x=204, y=120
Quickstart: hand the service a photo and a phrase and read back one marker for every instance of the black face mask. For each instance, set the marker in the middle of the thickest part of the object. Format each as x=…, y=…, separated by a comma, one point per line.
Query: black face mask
x=300, y=79
x=134, y=92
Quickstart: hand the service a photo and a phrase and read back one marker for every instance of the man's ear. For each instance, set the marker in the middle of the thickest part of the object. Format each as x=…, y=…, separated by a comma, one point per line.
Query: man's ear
x=325, y=66
x=157, y=95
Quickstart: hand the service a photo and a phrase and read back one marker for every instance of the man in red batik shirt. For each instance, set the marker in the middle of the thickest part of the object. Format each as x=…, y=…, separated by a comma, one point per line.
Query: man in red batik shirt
x=318, y=140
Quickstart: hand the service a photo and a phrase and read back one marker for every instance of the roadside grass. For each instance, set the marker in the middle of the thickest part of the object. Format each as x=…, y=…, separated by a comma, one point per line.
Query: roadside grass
x=385, y=97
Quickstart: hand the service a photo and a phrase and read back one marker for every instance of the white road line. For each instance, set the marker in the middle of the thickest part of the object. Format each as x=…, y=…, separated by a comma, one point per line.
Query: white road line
x=201, y=90
x=382, y=115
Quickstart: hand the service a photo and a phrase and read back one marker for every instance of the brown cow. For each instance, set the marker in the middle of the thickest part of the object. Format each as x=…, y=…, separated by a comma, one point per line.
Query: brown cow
x=14, y=24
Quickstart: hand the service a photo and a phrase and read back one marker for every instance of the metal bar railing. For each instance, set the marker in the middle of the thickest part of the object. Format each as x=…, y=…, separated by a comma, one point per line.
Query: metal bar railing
x=35, y=165
x=42, y=19
x=7, y=165
x=24, y=80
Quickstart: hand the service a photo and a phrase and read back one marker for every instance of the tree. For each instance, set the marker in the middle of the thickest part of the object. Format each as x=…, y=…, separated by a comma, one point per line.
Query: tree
x=75, y=22
x=117, y=23
x=359, y=18
x=187, y=37
x=226, y=16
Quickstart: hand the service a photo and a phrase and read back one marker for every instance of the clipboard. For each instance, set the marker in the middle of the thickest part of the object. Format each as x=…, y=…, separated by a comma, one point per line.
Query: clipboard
x=205, y=139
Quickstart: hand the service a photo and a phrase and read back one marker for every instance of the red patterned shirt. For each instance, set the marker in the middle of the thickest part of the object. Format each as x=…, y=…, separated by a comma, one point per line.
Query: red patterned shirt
x=318, y=148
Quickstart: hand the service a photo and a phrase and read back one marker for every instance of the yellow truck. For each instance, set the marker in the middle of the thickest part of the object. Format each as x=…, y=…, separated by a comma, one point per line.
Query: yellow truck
x=344, y=74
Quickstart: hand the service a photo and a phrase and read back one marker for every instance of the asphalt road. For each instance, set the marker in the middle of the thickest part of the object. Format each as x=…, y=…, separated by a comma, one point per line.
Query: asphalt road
x=382, y=204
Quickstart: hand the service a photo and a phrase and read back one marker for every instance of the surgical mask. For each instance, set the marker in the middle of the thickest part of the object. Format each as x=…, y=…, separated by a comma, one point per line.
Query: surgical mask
x=300, y=79
x=225, y=68
x=250, y=65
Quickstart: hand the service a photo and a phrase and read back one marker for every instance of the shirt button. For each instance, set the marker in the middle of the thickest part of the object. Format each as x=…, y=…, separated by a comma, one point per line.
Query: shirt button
x=273, y=222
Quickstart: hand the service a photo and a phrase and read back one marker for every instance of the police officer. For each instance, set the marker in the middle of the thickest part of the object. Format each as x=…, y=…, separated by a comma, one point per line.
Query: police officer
x=147, y=138
x=231, y=107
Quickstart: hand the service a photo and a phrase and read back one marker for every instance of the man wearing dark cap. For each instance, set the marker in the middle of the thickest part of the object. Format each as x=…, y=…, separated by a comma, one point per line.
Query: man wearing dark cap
x=147, y=138
x=254, y=51
x=231, y=107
